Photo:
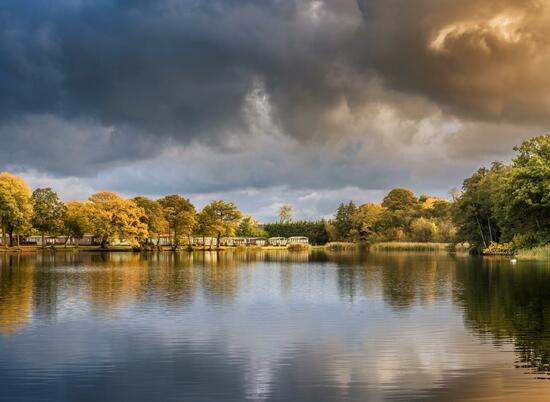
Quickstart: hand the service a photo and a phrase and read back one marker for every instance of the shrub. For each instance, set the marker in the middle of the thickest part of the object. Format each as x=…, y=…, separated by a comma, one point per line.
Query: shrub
x=499, y=249
x=423, y=230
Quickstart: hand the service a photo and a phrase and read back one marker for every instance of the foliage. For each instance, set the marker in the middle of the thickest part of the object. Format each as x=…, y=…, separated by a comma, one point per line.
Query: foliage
x=423, y=230
x=77, y=219
x=15, y=205
x=344, y=221
x=154, y=216
x=507, y=201
x=316, y=231
x=367, y=221
x=223, y=218
x=181, y=216
x=499, y=249
x=400, y=199
x=250, y=228
x=48, y=211
x=113, y=217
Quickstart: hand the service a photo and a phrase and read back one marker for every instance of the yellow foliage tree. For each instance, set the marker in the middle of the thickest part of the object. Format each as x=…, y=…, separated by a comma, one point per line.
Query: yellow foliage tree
x=15, y=206
x=114, y=217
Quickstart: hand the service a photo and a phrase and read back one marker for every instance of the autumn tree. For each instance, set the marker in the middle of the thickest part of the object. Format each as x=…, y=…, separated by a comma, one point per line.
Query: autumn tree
x=77, y=219
x=181, y=216
x=48, y=212
x=115, y=217
x=367, y=221
x=423, y=230
x=15, y=206
x=226, y=218
x=154, y=217
x=207, y=223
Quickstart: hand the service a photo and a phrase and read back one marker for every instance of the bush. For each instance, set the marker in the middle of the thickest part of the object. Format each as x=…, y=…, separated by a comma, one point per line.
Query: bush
x=423, y=230
x=499, y=249
x=527, y=241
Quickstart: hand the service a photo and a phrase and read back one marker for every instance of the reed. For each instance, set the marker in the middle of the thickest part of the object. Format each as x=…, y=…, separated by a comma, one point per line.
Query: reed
x=410, y=246
x=536, y=253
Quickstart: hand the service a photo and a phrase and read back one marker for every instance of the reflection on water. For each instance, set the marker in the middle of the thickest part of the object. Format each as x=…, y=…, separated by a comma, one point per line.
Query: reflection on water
x=272, y=326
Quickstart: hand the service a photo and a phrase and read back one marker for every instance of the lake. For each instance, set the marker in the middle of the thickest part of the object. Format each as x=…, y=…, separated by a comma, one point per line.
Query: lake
x=272, y=326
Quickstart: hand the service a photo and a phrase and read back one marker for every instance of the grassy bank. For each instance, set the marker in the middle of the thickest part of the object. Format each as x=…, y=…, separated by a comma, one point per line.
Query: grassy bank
x=537, y=253
x=410, y=246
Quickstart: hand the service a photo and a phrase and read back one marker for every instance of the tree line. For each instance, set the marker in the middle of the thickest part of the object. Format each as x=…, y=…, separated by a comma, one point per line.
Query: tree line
x=501, y=208
x=108, y=216
x=498, y=210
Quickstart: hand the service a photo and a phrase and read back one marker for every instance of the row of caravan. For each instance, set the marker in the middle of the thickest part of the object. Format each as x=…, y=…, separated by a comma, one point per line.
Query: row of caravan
x=166, y=240
x=237, y=241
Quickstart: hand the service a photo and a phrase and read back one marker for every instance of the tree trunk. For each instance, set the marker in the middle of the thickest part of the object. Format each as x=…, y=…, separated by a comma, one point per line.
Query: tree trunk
x=490, y=231
x=4, y=238
x=481, y=231
x=43, y=240
x=11, y=238
x=218, y=245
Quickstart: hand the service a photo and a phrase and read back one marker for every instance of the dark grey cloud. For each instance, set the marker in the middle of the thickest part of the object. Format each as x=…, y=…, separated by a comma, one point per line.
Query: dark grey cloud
x=157, y=96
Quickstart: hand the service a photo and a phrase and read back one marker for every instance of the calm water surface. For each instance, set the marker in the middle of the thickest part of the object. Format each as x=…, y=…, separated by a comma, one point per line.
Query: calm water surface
x=272, y=326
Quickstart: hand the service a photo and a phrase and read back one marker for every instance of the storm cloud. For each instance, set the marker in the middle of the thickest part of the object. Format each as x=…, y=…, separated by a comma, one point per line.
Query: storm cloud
x=295, y=97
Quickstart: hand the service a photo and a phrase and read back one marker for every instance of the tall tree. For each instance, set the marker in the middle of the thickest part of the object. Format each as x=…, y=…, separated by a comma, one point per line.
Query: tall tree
x=285, y=214
x=15, y=206
x=227, y=218
x=344, y=220
x=181, y=216
x=400, y=199
x=48, y=212
x=525, y=194
x=475, y=211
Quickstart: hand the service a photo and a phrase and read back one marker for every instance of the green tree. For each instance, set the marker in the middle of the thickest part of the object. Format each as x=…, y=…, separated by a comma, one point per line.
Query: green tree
x=48, y=212
x=525, y=193
x=400, y=199
x=344, y=221
x=77, y=219
x=15, y=206
x=181, y=216
x=476, y=211
x=249, y=228
x=226, y=218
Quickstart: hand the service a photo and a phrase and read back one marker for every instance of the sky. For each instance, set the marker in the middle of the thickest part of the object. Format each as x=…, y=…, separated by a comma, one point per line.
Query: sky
x=268, y=102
